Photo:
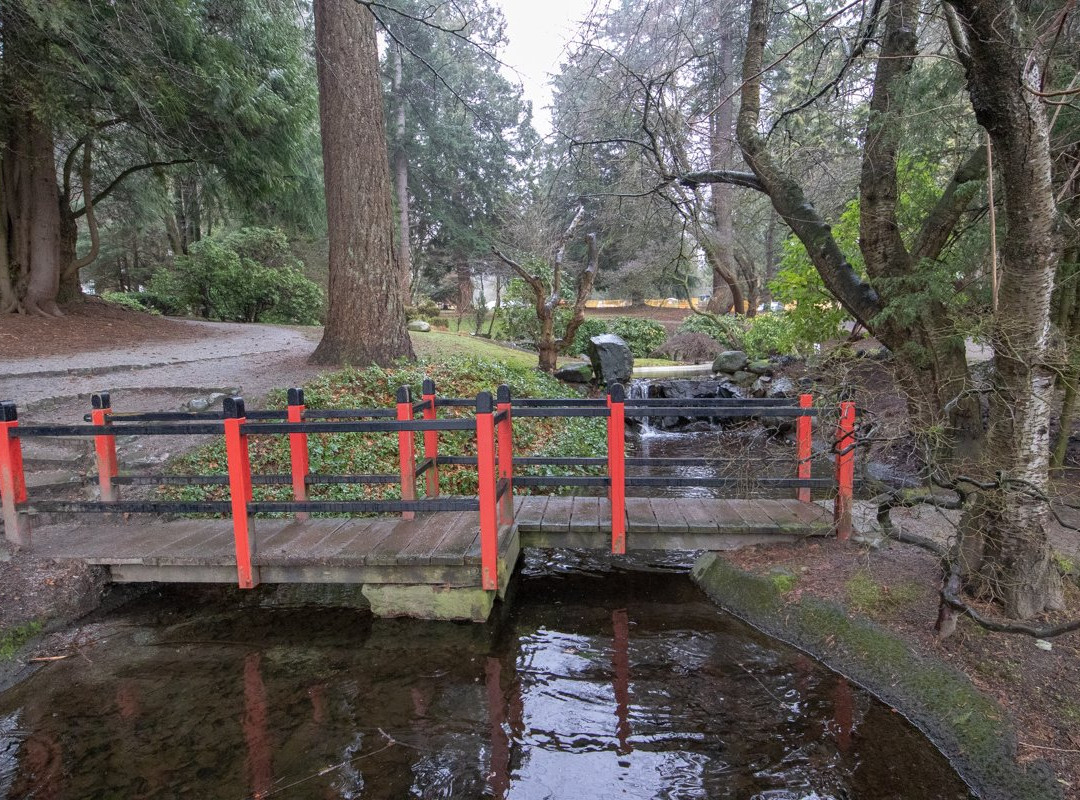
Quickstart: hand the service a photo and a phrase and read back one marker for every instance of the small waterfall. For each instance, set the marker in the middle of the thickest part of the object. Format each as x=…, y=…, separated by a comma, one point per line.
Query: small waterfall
x=639, y=390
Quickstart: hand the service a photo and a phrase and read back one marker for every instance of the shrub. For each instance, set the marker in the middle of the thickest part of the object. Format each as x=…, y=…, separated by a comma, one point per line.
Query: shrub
x=132, y=301
x=729, y=330
x=689, y=347
x=771, y=334
x=242, y=276
x=642, y=335
x=367, y=453
x=589, y=328
x=427, y=310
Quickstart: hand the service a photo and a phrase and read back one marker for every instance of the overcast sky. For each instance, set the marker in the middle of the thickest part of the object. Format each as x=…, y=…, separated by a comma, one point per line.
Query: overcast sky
x=538, y=31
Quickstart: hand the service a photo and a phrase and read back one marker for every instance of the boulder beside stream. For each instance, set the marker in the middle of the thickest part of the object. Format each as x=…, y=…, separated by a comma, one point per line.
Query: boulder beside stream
x=612, y=361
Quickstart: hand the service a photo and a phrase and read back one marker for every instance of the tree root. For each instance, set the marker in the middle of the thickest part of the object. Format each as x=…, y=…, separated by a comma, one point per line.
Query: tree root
x=950, y=599
x=952, y=607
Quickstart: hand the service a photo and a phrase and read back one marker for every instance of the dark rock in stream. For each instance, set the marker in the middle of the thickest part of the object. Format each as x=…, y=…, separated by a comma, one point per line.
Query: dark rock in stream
x=690, y=390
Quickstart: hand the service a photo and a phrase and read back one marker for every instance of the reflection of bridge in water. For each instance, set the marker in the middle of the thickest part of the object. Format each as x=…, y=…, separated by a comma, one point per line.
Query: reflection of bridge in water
x=442, y=556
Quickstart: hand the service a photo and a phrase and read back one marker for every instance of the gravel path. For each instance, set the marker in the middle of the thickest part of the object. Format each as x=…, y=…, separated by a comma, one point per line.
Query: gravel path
x=250, y=358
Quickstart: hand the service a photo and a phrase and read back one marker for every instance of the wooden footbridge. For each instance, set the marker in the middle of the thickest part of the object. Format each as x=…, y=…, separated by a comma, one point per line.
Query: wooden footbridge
x=438, y=556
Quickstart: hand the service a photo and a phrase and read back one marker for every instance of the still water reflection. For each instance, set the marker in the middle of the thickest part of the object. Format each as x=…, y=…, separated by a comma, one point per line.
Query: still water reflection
x=596, y=683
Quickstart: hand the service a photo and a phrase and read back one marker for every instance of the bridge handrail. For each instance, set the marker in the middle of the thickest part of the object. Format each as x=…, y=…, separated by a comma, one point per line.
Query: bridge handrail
x=492, y=422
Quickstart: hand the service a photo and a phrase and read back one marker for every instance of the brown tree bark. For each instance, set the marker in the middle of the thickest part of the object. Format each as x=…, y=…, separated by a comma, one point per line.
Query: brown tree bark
x=366, y=316
x=40, y=202
x=401, y=171
x=1003, y=532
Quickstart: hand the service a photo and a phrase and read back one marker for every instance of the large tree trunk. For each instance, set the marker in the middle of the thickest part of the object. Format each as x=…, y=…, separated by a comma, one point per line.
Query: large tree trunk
x=366, y=316
x=1004, y=541
x=40, y=202
x=401, y=171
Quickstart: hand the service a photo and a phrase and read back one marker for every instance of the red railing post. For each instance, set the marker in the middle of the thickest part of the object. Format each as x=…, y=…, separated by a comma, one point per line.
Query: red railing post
x=406, y=449
x=616, y=442
x=845, y=470
x=431, y=439
x=239, y=460
x=104, y=447
x=803, y=437
x=298, y=450
x=12, y=479
x=485, y=468
x=506, y=454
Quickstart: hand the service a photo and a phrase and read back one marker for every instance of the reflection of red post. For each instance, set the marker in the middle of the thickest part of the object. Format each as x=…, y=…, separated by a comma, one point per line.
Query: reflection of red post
x=616, y=442
x=406, y=449
x=260, y=769
x=317, y=694
x=12, y=478
x=802, y=436
x=431, y=439
x=499, y=774
x=485, y=468
x=127, y=700
x=845, y=470
x=239, y=460
x=298, y=450
x=505, y=432
x=620, y=662
x=104, y=446
x=843, y=713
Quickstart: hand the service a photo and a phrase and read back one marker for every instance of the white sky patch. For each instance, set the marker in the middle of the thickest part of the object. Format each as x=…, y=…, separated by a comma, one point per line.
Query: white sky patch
x=539, y=31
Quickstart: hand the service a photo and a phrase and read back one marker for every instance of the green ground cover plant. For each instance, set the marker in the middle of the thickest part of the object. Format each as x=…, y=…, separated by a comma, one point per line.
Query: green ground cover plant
x=377, y=453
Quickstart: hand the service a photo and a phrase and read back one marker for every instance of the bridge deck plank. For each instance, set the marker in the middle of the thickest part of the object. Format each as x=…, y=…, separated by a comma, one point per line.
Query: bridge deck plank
x=389, y=550
x=459, y=540
x=699, y=517
x=669, y=515
x=305, y=540
x=352, y=542
x=557, y=513
x=726, y=516
x=639, y=515
x=585, y=515
x=811, y=514
x=430, y=538
x=437, y=549
x=753, y=515
x=529, y=510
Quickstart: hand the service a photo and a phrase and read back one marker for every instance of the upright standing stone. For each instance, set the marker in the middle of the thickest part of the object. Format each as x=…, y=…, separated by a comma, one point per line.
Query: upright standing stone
x=611, y=358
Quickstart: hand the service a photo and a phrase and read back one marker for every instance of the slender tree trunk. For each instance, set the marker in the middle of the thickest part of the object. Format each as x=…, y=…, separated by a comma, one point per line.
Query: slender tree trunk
x=401, y=170
x=1003, y=533
x=366, y=316
x=720, y=252
x=498, y=304
x=464, y=282
x=546, y=345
